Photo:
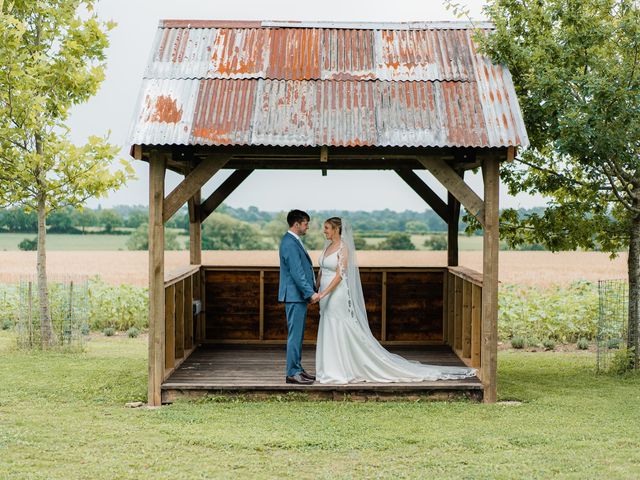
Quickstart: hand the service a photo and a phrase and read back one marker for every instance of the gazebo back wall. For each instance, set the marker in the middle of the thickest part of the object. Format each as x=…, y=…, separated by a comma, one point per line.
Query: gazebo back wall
x=403, y=305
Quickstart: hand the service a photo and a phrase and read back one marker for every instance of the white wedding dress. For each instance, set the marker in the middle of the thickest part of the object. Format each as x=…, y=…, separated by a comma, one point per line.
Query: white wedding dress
x=347, y=351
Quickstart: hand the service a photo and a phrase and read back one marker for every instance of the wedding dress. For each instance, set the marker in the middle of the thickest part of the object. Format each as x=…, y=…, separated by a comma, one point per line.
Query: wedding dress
x=347, y=351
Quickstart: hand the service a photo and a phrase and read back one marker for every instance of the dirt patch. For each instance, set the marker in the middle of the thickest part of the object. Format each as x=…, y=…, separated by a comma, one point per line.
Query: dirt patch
x=530, y=268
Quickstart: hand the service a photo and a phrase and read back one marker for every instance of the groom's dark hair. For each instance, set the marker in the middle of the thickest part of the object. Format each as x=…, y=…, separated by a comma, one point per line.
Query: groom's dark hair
x=297, y=216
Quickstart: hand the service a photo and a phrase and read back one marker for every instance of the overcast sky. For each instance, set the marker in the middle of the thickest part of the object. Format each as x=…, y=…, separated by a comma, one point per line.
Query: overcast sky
x=112, y=108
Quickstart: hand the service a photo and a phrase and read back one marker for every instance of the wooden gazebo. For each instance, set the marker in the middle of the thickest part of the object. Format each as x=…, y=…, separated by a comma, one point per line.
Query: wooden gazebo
x=322, y=96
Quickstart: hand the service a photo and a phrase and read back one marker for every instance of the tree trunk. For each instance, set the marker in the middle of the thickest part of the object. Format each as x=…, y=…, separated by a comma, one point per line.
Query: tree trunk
x=633, y=340
x=46, y=326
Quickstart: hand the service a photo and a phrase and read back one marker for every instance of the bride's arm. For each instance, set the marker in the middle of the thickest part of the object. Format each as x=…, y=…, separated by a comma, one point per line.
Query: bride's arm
x=342, y=268
x=318, y=279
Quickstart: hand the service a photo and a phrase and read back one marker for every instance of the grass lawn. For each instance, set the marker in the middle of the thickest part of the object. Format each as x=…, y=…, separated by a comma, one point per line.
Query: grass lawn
x=62, y=241
x=63, y=417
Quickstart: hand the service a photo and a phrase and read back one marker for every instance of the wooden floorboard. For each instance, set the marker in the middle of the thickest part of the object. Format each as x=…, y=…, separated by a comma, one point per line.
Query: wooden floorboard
x=262, y=368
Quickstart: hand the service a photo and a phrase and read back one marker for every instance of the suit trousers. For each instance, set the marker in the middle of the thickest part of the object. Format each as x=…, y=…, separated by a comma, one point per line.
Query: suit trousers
x=296, y=318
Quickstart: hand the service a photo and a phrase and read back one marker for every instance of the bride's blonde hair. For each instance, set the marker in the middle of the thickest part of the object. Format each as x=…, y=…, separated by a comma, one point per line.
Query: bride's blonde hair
x=336, y=222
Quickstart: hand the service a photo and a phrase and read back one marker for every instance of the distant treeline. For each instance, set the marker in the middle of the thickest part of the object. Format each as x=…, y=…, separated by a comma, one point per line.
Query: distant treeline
x=124, y=218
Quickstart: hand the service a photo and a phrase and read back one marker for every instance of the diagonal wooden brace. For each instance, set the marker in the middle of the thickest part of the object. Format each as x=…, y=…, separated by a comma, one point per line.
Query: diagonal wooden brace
x=191, y=184
x=423, y=190
x=222, y=192
x=448, y=177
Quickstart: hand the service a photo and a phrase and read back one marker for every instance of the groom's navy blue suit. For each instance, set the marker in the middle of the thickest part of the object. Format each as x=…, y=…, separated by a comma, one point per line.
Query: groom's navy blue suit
x=296, y=289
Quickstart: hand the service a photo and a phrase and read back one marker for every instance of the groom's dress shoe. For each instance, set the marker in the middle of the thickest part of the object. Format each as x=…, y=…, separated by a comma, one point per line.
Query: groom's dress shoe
x=299, y=379
x=308, y=376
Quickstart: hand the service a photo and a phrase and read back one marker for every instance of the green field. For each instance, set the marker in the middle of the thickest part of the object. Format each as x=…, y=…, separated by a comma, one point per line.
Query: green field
x=62, y=416
x=66, y=242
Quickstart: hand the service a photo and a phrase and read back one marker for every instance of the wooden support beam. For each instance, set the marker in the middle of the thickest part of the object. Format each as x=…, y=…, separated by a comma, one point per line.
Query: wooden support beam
x=454, y=184
x=261, y=325
x=424, y=192
x=180, y=319
x=157, y=167
x=457, y=313
x=222, y=192
x=476, y=333
x=445, y=310
x=191, y=184
x=195, y=230
x=453, y=217
x=451, y=309
x=466, y=319
x=188, y=313
x=383, y=308
x=170, y=327
x=489, y=354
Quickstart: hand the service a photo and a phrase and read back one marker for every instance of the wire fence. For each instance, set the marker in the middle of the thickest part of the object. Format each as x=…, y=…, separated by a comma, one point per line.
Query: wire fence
x=69, y=311
x=613, y=335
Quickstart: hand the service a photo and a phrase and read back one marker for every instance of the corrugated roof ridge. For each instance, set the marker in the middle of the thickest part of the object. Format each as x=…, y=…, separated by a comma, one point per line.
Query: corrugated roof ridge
x=338, y=25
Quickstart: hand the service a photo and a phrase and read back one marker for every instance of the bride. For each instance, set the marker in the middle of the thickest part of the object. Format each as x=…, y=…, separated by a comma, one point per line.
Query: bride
x=347, y=351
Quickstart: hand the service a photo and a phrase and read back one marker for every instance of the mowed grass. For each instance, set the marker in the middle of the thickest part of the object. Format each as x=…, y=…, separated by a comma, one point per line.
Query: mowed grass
x=62, y=416
x=66, y=242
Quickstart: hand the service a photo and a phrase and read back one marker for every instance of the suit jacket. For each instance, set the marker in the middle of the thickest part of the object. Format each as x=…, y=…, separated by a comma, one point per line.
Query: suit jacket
x=296, y=271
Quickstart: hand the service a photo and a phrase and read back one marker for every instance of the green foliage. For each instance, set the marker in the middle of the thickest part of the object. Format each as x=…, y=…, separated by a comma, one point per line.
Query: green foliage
x=18, y=220
x=563, y=314
x=582, y=344
x=549, y=344
x=221, y=232
x=517, y=342
x=133, y=332
x=574, y=66
x=28, y=245
x=139, y=239
x=6, y=324
x=118, y=306
x=110, y=219
x=415, y=226
x=85, y=329
x=109, y=332
x=436, y=242
x=622, y=361
x=397, y=241
x=614, y=343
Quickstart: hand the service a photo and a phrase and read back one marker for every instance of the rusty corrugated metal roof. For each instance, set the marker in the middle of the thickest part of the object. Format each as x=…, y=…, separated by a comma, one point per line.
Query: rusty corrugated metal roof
x=289, y=83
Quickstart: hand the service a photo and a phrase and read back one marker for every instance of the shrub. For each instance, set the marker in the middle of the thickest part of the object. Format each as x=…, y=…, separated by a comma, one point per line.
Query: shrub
x=614, y=343
x=622, y=361
x=109, y=332
x=435, y=242
x=583, y=344
x=84, y=329
x=533, y=342
x=133, y=332
x=517, y=342
x=549, y=344
x=28, y=245
x=7, y=324
x=397, y=241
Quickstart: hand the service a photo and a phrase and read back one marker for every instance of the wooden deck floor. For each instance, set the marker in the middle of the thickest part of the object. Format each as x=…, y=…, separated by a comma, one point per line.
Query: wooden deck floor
x=258, y=371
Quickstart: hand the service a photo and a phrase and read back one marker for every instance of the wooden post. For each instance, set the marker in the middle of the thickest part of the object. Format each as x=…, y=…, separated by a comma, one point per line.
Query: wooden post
x=180, y=310
x=489, y=354
x=476, y=332
x=383, y=308
x=188, y=314
x=195, y=230
x=453, y=210
x=445, y=310
x=451, y=309
x=261, y=305
x=170, y=327
x=157, y=167
x=466, y=319
x=457, y=313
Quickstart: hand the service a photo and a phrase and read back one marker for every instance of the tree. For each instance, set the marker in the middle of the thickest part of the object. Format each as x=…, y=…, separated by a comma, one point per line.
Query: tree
x=62, y=221
x=110, y=219
x=139, y=239
x=221, y=232
x=575, y=66
x=397, y=241
x=51, y=58
x=85, y=217
x=17, y=220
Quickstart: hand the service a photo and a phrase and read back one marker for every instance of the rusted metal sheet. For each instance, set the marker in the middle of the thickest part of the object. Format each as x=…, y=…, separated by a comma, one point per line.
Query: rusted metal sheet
x=276, y=83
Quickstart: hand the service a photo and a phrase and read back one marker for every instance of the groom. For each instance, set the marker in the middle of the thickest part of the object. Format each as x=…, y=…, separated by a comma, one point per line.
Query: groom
x=296, y=291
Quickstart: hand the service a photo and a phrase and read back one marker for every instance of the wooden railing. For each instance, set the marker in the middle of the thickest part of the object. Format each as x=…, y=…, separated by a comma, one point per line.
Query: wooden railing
x=183, y=331
x=462, y=315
